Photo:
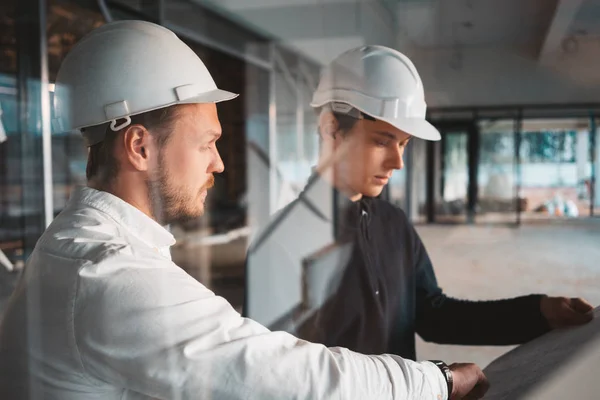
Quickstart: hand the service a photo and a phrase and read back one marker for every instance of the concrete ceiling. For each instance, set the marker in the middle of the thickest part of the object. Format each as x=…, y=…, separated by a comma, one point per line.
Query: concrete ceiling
x=437, y=23
x=318, y=27
x=587, y=19
x=467, y=51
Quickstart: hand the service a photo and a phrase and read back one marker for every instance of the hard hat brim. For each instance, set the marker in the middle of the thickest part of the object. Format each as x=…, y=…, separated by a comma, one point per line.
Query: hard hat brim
x=416, y=127
x=213, y=96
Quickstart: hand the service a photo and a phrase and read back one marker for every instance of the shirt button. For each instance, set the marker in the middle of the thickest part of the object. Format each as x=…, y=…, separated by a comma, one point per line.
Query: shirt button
x=377, y=293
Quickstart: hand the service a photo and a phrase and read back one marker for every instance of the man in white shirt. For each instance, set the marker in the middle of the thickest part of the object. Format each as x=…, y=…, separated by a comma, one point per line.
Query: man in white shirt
x=102, y=312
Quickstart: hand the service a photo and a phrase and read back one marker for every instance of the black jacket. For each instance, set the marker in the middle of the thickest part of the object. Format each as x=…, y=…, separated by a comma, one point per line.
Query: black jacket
x=389, y=291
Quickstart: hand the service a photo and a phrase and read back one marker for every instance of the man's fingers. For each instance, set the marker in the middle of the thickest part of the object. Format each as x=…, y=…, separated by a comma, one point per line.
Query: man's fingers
x=484, y=384
x=479, y=389
x=583, y=318
x=477, y=392
x=580, y=305
x=570, y=316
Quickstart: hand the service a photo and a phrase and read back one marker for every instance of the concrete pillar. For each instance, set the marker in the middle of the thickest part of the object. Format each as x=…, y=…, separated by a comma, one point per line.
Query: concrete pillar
x=582, y=151
x=416, y=190
x=597, y=170
x=421, y=182
x=437, y=172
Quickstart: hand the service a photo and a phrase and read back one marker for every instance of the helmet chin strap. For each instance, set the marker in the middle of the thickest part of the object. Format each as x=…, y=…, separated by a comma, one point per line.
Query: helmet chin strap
x=347, y=109
x=114, y=127
x=96, y=134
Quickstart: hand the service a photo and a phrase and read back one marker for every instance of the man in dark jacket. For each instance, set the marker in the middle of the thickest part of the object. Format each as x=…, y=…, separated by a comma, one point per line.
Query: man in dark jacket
x=340, y=266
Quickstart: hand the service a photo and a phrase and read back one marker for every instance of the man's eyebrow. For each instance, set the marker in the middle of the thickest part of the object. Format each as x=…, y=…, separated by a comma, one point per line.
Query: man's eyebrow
x=214, y=134
x=390, y=135
x=387, y=134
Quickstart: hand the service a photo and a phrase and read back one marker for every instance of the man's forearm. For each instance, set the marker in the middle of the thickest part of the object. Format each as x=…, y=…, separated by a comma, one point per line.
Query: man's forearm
x=443, y=319
x=389, y=377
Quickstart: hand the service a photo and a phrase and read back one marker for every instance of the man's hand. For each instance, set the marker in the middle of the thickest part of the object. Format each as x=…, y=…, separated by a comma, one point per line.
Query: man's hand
x=562, y=312
x=469, y=382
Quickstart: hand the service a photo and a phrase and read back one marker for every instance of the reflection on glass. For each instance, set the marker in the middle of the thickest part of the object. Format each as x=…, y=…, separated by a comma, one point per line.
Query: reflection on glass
x=68, y=22
x=418, y=189
x=553, y=181
x=555, y=168
x=595, y=186
x=296, y=133
x=397, y=188
x=455, y=178
x=496, y=172
x=11, y=162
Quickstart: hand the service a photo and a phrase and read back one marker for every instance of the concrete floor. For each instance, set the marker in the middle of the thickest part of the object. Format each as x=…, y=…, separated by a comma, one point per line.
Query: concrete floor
x=559, y=257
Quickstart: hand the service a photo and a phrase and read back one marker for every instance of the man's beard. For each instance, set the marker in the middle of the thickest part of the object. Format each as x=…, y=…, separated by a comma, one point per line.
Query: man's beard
x=172, y=204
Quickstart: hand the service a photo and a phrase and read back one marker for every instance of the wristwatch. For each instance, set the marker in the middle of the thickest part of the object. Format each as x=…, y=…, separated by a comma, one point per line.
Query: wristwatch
x=447, y=374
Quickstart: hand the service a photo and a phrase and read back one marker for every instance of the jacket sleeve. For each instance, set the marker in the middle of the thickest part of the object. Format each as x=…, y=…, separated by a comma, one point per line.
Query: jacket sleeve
x=145, y=325
x=443, y=319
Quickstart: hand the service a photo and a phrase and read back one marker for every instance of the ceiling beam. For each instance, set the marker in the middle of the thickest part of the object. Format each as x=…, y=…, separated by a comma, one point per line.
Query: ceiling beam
x=320, y=29
x=310, y=19
x=565, y=13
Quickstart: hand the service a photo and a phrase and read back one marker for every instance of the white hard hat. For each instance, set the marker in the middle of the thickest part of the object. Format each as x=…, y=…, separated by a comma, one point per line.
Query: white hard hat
x=380, y=82
x=126, y=68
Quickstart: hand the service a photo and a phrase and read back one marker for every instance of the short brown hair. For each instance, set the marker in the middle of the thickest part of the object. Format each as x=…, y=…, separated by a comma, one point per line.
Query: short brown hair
x=345, y=121
x=102, y=164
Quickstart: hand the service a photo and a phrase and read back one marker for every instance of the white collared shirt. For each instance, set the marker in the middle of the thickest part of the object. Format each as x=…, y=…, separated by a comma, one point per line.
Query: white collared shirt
x=103, y=313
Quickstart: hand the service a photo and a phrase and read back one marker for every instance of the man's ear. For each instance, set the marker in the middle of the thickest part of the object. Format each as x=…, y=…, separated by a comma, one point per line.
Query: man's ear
x=137, y=146
x=328, y=125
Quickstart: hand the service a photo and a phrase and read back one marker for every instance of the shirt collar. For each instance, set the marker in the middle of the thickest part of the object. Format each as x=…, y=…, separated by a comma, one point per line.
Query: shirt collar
x=126, y=215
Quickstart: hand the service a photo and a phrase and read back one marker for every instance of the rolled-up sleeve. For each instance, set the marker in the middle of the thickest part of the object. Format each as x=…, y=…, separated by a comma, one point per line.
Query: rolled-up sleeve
x=145, y=325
